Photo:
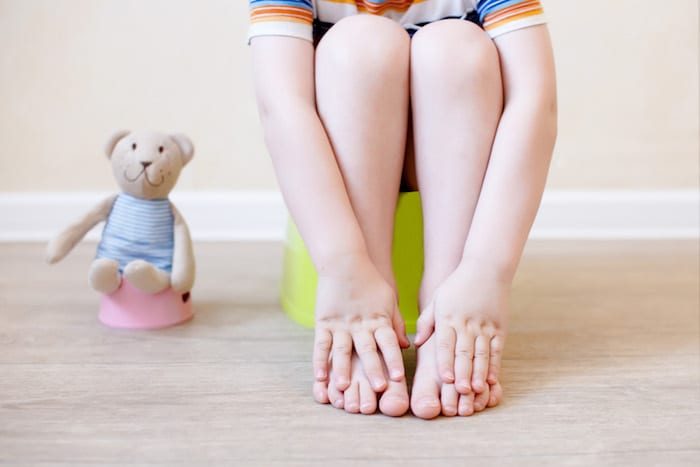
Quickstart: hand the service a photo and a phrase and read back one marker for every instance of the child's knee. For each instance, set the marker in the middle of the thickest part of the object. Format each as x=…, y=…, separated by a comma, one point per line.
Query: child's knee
x=455, y=48
x=389, y=51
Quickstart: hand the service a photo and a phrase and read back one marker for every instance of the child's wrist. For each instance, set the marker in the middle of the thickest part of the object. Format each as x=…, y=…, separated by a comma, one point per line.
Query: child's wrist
x=488, y=267
x=342, y=262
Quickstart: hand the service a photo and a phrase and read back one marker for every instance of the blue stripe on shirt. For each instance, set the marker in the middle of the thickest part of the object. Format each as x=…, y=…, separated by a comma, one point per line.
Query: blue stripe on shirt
x=139, y=229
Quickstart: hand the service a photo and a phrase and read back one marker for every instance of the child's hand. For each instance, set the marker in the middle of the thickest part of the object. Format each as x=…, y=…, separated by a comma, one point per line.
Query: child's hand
x=356, y=307
x=469, y=315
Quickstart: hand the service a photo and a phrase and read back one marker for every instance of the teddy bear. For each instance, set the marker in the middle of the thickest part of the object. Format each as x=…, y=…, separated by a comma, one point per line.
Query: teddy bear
x=145, y=238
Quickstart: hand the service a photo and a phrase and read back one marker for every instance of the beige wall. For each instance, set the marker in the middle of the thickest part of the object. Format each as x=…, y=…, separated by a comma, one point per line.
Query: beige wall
x=71, y=71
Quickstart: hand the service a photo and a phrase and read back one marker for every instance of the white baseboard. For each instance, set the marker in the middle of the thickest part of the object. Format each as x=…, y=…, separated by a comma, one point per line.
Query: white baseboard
x=261, y=215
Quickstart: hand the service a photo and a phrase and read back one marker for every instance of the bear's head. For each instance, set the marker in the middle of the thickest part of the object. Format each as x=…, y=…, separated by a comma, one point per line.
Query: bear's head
x=146, y=164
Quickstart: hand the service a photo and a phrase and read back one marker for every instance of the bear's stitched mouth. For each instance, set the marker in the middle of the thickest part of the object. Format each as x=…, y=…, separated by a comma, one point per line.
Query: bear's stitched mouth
x=145, y=175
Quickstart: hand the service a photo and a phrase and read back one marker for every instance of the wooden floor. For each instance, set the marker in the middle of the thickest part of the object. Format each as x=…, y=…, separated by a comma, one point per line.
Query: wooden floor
x=602, y=367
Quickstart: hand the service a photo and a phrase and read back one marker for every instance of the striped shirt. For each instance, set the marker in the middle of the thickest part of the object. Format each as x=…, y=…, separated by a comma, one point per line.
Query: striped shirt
x=139, y=229
x=295, y=17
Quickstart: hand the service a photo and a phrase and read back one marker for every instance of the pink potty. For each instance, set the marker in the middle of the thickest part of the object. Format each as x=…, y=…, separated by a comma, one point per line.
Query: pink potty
x=130, y=308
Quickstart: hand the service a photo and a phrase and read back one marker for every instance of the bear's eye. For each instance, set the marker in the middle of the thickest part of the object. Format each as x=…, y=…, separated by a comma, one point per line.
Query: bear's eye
x=160, y=149
x=133, y=146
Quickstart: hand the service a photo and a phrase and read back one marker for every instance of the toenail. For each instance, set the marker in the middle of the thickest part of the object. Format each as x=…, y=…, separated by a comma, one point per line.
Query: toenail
x=338, y=402
x=396, y=374
x=431, y=402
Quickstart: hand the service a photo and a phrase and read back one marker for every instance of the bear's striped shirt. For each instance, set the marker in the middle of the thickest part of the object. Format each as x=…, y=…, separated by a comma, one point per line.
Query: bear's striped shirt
x=295, y=17
x=139, y=229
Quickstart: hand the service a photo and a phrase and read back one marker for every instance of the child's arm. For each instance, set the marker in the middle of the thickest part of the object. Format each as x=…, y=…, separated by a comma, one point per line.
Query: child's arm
x=62, y=244
x=478, y=289
x=301, y=152
x=353, y=301
x=521, y=153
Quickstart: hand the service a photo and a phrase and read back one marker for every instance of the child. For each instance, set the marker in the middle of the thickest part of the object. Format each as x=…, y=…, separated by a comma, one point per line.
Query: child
x=455, y=98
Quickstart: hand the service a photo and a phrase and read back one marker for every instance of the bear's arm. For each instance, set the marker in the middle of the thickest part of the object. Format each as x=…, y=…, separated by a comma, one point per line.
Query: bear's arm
x=183, y=272
x=61, y=245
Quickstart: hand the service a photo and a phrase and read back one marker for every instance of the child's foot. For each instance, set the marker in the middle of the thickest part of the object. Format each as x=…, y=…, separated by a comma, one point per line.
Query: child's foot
x=430, y=396
x=460, y=345
x=359, y=397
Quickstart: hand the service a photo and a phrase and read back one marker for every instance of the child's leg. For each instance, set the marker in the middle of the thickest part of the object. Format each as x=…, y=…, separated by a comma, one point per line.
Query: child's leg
x=362, y=99
x=456, y=94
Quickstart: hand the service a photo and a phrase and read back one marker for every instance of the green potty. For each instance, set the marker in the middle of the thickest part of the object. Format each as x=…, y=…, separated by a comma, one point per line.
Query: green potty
x=298, y=295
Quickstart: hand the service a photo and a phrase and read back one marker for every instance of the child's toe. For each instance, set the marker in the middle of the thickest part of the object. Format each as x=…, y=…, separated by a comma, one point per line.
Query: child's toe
x=320, y=392
x=394, y=401
x=368, y=398
x=448, y=399
x=481, y=400
x=466, y=404
x=352, y=398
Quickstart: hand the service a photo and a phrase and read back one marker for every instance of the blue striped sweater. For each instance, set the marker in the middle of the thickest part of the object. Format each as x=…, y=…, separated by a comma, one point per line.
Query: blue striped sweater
x=139, y=229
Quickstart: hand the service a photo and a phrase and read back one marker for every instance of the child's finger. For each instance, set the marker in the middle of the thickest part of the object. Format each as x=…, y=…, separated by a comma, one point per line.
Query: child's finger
x=497, y=344
x=322, y=348
x=400, y=329
x=464, y=354
x=425, y=325
x=481, y=364
x=389, y=345
x=366, y=349
x=342, y=353
x=445, y=342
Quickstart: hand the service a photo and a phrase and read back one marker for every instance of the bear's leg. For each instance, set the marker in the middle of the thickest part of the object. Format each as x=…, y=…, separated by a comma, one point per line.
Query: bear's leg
x=146, y=277
x=104, y=275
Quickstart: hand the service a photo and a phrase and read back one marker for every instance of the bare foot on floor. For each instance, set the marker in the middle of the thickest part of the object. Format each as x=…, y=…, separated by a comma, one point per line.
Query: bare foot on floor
x=430, y=396
x=359, y=397
x=460, y=340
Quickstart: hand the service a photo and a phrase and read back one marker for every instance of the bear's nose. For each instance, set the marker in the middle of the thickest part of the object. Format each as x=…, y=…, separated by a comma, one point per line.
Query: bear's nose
x=146, y=163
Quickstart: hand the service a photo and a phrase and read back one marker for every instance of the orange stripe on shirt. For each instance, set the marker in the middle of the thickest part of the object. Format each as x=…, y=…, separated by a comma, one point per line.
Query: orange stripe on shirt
x=281, y=14
x=380, y=8
x=515, y=17
x=523, y=6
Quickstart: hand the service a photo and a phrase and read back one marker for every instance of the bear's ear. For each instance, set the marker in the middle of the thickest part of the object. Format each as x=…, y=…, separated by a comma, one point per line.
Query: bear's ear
x=113, y=140
x=185, y=145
